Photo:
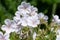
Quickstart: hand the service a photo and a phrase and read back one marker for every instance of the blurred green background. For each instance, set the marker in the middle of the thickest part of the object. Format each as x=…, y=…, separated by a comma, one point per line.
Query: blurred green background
x=9, y=7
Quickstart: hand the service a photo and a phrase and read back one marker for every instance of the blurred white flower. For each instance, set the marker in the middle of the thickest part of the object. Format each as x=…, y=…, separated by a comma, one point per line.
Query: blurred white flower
x=24, y=7
x=4, y=36
x=45, y=18
x=34, y=35
x=56, y=19
x=32, y=14
x=33, y=9
x=58, y=37
x=16, y=25
x=42, y=16
x=24, y=21
x=33, y=21
x=8, y=27
x=20, y=14
x=17, y=19
x=25, y=13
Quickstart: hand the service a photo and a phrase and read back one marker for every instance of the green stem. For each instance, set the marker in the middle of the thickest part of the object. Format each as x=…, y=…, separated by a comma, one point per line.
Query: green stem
x=54, y=8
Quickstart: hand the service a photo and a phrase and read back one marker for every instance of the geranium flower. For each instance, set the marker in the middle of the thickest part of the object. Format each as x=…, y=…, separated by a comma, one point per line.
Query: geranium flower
x=42, y=16
x=4, y=36
x=56, y=19
x=33, y=11
x=24, y=21
x=17, y=26
x=33, y=21
x=8, y=27
x=24, y=7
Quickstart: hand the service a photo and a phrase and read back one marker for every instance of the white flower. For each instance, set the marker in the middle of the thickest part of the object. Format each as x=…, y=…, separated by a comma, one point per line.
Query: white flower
x=32, y=14
x=33, y=11
x=58, y=37
x=4, y=37
x=24, y=7
x=42, y=16
x=24, y=21
x=8, y=27
x=33, y=21
x=56, y=19
x=21, y=20
x=34, y=35
x=17, y=19
x=25, y=10
x=45, y=18
x=20, y=14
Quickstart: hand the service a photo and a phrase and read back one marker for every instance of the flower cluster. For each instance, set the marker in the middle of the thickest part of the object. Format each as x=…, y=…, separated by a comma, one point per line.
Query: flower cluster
x=25, y=16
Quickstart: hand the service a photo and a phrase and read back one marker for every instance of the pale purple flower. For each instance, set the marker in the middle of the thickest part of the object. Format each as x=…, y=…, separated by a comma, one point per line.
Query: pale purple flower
x=56, y=19
x=45, y=18
x=17, y=19
x=24, y=21
x=33, y=21
x=8, y=27
x=33, y=9
x=24, y=7
x=42, y=16
x=4, y=36
x=32, y=14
